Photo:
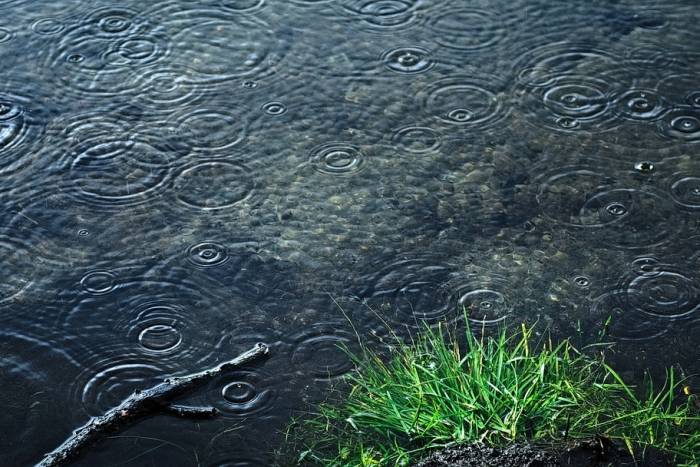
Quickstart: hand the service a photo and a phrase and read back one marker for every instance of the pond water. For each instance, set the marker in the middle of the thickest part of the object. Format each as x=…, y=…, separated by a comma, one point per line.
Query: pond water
x=182, y=179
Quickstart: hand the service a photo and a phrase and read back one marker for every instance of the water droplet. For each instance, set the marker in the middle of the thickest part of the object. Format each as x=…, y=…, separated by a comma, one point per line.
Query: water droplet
x=645, y=167
x=568, y=123
x=407, y=60
x=582, y=281
x=616, y=209
x=238, y=392
x=694, y=99
x=686, y=124
x=75, y=58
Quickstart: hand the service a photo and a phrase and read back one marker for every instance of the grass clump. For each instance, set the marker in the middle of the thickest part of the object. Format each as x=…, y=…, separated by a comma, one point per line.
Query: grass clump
x=439, y=390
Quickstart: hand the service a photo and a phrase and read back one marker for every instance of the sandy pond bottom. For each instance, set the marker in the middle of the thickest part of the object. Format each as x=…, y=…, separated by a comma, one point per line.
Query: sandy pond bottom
x=182, y=179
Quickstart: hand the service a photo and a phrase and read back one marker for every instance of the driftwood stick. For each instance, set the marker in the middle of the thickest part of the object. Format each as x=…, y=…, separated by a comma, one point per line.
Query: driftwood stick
x=185, y=411
x=143, y=403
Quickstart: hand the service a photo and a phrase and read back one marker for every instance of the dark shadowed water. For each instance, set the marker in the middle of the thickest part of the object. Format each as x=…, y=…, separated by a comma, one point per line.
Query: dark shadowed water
x=180, y=179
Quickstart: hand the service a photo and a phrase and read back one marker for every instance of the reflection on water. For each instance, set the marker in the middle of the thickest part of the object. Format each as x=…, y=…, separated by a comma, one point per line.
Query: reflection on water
x=183, y=179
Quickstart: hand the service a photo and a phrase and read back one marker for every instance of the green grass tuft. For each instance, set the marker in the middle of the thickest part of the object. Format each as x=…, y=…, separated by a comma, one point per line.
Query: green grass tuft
x=441, y=390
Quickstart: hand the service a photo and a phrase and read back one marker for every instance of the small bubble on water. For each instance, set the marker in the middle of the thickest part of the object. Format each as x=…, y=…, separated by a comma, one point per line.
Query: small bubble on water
x=75, y=58
x=568, y=123
x=460, y=115
x=616, y=209
x=582, y=281
x=694, y=99
x=686, y=124
x=83, y=233
x=644, y=167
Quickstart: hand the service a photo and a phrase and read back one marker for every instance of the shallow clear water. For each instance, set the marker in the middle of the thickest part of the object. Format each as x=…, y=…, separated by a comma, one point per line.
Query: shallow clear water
x=182, y=179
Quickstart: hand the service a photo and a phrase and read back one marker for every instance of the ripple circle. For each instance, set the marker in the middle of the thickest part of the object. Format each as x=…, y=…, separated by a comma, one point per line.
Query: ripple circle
x=112, y=171
x=485, y=301
x=469, y=101
x=417, y=139
x=99, y=282
x=241, y=393
x=213, y=185
x=407, y=60
x=623, y=217
x=207, y=254
x=5, y=35
x=641, y=104
x=212, y=131
x=337, y=159
x=274, y=108
x=681, y=123
x=48, y=26
x=160, y=338
x=667, y=294
x=384, y=16
x=318, y=351
x=467, y=28
x=686, y=192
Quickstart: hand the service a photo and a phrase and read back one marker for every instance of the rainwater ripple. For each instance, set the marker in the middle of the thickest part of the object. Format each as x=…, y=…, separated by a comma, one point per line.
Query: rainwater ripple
x=241, y=393
x=182, y=180
x=382, y=16
x=337, y=159
x=318, y=350
x=211, y=131
x=682, y=124
x=472, y=102
x=407, y=60
x=603, y=206
x=417, y=139
x=29, y=370
x=207, y=254
x=213, y=185
x=467, y=28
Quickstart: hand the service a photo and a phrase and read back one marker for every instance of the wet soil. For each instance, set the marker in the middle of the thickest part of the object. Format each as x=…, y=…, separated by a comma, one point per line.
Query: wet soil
x=596, y=452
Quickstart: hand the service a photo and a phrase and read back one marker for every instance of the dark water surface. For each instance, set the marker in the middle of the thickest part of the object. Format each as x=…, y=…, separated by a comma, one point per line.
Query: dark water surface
x=181, y=179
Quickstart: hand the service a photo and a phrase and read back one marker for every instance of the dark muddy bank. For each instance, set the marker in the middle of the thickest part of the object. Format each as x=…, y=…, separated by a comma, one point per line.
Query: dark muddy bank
x=596, y=452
